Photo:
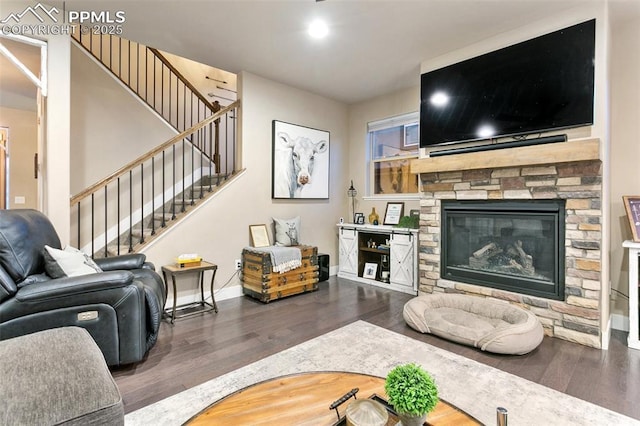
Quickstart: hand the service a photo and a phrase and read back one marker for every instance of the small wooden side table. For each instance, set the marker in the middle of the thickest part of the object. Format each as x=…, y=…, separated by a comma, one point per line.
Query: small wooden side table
x=173, y=271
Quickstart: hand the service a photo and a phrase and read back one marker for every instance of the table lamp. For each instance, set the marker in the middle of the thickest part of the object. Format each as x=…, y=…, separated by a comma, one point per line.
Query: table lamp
x=352, y=192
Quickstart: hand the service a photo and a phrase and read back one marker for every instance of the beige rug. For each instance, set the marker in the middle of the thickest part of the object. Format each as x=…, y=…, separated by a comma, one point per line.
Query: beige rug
x=365, y=348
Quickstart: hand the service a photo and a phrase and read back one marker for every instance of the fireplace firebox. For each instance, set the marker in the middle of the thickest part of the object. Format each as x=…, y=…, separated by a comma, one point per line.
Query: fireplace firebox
x=510, y=245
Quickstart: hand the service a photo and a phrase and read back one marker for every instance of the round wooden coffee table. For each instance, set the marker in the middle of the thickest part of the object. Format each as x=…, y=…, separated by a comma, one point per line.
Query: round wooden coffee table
x=304, y=399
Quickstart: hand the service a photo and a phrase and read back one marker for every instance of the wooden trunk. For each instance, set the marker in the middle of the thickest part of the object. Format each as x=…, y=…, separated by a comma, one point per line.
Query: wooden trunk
x=261, y=282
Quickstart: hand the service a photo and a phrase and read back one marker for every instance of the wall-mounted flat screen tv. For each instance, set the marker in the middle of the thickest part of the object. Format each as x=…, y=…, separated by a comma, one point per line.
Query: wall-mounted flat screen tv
x=539, y=85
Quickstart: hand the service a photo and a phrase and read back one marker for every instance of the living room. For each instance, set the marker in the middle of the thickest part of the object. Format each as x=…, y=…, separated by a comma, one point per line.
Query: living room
x=219, y=230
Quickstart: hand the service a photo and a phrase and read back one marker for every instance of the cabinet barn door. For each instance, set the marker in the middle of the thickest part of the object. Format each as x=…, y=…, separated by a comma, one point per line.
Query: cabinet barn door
x=402, y=260
x=348, y=251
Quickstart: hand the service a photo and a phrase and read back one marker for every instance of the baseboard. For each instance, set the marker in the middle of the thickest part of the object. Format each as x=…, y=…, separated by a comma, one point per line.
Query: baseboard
x=224, y=293
x=619, y=322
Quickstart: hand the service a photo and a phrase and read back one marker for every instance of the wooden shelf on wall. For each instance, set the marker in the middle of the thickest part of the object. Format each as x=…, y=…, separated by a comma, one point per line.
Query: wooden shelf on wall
x=561, y=152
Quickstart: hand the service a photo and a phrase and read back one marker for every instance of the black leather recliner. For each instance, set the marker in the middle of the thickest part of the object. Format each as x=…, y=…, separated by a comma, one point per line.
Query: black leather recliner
x=120, y=307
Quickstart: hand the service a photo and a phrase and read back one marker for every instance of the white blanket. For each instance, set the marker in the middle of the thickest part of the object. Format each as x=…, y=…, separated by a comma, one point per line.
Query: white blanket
x=283, y=259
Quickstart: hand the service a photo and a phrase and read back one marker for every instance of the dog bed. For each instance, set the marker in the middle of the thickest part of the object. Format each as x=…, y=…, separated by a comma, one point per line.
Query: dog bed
x=488, y=324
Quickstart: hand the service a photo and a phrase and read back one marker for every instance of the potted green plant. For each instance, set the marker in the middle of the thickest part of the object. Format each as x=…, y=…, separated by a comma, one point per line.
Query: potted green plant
x=412, y=392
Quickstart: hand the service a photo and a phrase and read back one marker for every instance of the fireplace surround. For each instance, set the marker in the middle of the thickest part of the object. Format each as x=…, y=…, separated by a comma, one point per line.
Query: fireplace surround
x=570, y=172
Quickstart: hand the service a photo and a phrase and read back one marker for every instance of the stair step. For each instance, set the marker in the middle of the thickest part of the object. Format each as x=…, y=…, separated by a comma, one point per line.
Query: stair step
x=136, y=232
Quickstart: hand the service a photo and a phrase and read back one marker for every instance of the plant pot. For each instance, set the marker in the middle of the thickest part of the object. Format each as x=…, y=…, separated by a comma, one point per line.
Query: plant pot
x=412, y=419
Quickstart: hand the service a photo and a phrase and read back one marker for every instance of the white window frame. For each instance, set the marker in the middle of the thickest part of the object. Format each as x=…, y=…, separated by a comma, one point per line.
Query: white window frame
x=396, y=121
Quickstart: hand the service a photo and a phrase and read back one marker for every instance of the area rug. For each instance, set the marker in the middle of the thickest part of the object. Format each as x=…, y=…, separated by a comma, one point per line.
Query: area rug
x=365, y=348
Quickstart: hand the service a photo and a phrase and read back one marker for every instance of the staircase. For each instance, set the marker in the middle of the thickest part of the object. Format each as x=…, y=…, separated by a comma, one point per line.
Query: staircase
x=135, y=204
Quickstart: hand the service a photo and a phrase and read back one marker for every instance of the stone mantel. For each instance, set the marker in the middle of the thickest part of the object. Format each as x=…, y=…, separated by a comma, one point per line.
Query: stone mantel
x=561, y=152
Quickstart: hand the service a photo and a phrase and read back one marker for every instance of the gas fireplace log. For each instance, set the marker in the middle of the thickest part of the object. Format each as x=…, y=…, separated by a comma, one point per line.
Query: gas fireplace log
x=487, y=251
x=516, y=251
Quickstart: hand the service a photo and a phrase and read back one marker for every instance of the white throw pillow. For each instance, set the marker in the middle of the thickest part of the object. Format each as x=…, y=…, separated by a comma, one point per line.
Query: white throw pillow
x=287, y=231
x=69, y=262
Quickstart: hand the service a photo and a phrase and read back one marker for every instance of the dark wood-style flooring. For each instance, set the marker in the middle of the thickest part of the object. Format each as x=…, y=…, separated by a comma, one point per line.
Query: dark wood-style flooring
x=200, y=348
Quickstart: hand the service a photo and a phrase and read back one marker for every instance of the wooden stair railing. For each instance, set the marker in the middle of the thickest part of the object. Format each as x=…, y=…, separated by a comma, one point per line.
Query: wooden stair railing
x=150, y=188
x=150, y=75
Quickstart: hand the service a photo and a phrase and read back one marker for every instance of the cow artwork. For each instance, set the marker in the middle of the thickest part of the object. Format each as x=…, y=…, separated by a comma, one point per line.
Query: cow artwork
x=300, y=162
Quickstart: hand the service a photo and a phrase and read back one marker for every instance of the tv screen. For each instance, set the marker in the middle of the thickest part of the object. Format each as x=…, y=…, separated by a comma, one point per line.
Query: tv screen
x=536, y=86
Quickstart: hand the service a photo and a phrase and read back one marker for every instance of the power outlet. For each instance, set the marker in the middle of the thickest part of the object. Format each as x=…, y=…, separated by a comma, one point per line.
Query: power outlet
x=238, y=264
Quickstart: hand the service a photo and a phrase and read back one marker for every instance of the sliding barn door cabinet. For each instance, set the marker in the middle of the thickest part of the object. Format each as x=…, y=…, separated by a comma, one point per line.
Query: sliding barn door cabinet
x=379, y=255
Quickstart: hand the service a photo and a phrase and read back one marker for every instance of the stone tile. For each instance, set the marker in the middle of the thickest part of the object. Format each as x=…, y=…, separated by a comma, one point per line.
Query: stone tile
x=577, y=337
x=574, y=310
x=574, y=180
x=583, y=302
x=502, y=173
x=543, y=170
x=588, y=265
x=472, y=195
x=508, y=183
x=517, y=195
x=578, y=204
x=438, y=187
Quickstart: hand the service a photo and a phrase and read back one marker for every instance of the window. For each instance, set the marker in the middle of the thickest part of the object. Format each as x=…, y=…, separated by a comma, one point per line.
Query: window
x=393, y=143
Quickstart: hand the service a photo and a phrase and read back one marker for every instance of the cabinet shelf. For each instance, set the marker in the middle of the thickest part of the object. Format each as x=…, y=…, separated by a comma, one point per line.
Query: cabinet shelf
x=375, y=250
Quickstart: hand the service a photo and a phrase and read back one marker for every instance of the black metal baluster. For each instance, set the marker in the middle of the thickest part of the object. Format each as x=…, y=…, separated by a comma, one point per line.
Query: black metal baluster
x=92, y=224
x=193, y=167
x=184, y=107
x=183, y=178
x=120, y=59
x=78, y=245
x=153, y=195
x=106, y=253
x=203, y=136
x=164, y=202
x=193, y=155
x=130, y=211
x=141, y=203
x=162, y=89
x=211, y=135
x=118, y=218
x=173, y=184
x=138, y=69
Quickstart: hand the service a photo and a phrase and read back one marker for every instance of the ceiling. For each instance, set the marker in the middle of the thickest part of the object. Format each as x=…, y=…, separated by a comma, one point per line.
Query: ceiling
x=374, y=47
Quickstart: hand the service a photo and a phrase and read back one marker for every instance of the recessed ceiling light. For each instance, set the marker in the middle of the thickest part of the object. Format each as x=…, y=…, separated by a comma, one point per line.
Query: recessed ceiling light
x=318, y=29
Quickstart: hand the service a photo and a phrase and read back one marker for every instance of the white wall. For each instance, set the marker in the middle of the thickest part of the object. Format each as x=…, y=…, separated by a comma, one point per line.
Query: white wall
x=23, y=138
x=109, y=126
x=625, y=149
x=219, y=230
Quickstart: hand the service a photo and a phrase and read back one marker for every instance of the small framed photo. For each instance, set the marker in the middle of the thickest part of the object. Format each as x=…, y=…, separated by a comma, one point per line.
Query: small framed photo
x=632, y=206
x=359, y=219
x=370, y=270
x=411, y=135
x=393, y=213
x=259, y=235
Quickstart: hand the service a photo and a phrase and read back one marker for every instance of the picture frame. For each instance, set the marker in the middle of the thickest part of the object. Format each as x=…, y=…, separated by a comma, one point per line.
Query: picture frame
x=632, y=207
x=303, y=149
x=393, y=213
x=370, y=270
x=358, y=219
x=411, y=135
x=259, y=235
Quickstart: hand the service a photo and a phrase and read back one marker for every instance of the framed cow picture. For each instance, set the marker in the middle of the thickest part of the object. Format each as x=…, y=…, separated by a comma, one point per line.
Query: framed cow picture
x=300, y=162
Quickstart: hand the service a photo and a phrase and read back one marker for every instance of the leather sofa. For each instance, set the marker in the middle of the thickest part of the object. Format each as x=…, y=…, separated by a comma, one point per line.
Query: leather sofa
x=121, y=307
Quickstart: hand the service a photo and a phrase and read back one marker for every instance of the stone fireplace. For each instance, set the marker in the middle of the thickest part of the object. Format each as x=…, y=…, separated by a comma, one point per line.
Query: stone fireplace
x=567, y=175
